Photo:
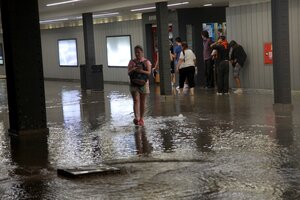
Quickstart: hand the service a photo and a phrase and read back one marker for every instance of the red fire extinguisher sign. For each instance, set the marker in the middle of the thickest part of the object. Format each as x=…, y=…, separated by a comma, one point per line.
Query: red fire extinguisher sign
x=268, y=53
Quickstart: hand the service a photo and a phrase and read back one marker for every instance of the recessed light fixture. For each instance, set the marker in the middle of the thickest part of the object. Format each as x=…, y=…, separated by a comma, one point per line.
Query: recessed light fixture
x=53, y=20
x=106, y=14
x=178, y=4
x=141, y=9
x=207, y=5
x=63, y=2
x=101, y=15
x=153, y=7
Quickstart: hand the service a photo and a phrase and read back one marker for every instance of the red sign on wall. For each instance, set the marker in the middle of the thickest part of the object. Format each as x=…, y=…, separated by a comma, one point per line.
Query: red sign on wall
x=268, y=53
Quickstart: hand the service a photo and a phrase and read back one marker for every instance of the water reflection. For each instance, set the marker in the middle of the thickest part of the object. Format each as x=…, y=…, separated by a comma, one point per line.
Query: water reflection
x=29, y=155
x=143, y=146
x=121, y=108
x=284, y=127
x=71, y=107
x=167, y=140
x=284, y=134
x=93, y=109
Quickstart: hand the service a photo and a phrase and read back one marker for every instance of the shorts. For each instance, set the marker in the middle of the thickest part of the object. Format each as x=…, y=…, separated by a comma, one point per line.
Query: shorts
x=142, y=90
x=172, y=67
x=236, y=70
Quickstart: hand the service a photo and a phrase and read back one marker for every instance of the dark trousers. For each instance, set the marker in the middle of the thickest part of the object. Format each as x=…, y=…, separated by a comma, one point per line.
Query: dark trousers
x=209, y=73
x=189, y=74
x=223, y=76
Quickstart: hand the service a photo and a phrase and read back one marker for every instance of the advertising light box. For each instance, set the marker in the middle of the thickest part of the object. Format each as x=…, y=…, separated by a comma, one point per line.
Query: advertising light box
x=67, y=50
x=118, y=50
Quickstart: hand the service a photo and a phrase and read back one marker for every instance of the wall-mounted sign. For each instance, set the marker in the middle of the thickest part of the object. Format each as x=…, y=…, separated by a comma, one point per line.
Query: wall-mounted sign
x=268, y=53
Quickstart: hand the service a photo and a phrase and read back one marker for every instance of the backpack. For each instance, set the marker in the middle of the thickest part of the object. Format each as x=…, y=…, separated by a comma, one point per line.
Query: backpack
x=242, y=56
x=139, y=79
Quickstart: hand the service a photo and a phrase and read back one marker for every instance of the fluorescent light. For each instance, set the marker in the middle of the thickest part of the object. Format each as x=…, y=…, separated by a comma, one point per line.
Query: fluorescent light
x=100, y=15
x=63, y=2
x=178, y=4
x=153, y=7
x=208, y=4
x=105, y=14
x=53, y=20
x=141, y=9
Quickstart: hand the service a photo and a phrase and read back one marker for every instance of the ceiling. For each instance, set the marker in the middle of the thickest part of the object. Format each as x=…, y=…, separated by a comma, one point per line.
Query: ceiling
x=104, y=6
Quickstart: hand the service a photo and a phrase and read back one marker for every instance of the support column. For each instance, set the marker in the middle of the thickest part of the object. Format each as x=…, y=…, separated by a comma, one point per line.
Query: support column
x=93, y=73
x=163, y=48
x=89, y=42
x=281, y=52
x=24, y=66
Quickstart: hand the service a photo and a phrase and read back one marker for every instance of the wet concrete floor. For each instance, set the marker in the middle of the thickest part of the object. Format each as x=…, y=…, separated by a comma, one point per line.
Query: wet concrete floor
x=201, y=147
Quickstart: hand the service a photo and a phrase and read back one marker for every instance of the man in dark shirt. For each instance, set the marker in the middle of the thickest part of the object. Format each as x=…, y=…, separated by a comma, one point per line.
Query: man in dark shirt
x=237, y=59
x=222, y=65
x=208, y=62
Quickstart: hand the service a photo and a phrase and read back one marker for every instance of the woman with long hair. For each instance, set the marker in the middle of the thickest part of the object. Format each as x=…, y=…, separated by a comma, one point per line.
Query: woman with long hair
x=139, y=70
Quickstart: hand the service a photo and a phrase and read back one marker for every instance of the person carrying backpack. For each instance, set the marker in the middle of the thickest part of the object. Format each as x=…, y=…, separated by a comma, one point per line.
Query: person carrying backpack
x=237, y=57
x=139, y=70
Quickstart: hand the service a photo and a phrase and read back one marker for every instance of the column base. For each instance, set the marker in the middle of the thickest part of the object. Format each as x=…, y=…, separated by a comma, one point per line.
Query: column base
x=278, y=107
x=25, y=133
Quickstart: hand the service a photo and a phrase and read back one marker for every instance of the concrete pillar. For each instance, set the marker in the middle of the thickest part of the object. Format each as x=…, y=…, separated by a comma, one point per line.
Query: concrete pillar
x=281, y=52
x=93, y=74
x=89, y=43
x=24, y=66
x=163, y=48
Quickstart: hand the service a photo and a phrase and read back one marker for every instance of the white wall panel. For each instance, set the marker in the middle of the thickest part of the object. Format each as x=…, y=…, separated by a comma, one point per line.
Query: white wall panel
x=50, y=51
x=295, y=42
x=133, y=28
x=251, y=26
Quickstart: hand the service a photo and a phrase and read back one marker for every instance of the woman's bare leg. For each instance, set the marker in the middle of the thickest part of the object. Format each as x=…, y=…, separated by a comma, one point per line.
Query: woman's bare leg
x=142, y=105
x=136, y=105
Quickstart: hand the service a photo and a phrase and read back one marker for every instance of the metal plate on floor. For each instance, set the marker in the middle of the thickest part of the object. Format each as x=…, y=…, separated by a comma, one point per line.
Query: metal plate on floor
x=87, y=170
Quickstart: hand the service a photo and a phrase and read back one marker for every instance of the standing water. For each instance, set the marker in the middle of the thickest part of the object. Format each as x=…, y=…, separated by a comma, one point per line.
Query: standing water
x=191, y=147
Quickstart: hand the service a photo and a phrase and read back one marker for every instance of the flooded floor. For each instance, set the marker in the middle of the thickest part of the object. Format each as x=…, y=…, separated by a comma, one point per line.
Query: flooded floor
x=200, y=147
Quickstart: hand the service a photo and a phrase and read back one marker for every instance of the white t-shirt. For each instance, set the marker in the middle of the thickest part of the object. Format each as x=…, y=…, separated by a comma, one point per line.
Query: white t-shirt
x=188, y=58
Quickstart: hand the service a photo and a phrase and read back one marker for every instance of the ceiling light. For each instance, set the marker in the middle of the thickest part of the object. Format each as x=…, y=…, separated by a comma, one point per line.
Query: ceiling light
x=53, y=20
x=141, y=9
x=100, y=15
x=208, y=4
x=153, y=7
x=63, y=2
x=178, y=4
x=105, y=14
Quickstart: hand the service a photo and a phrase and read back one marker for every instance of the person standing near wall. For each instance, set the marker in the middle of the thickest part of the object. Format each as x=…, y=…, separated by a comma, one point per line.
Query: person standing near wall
x=208, y=63
x=172, y=62
x=237, y=57
x=177, y=49
x=139, y=70
x=186, y=68
x=176, y=55
x=222, y=65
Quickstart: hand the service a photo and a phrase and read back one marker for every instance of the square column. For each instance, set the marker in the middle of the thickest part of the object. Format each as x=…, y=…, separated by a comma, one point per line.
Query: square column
x=281, y=52
x=24, y=66
x=163, y=47
x=91, y=74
